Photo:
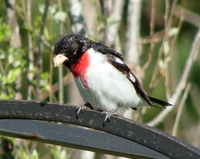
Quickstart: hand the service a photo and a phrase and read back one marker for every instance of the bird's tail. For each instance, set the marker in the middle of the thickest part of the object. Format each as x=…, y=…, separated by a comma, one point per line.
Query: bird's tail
x=160, y=102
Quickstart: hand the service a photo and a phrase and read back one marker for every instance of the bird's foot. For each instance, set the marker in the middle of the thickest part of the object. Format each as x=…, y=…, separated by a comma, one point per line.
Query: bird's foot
x=107, y=115
x=80, y=109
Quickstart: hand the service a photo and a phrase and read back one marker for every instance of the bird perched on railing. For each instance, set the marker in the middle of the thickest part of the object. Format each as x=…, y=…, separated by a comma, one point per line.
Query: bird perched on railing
x=104, y=81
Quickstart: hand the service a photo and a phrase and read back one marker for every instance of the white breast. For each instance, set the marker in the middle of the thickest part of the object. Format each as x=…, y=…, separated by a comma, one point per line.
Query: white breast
x=107, y=87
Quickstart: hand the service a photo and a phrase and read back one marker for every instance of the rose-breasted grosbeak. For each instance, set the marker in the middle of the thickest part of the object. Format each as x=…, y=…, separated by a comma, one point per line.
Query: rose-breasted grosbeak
x=103, y=79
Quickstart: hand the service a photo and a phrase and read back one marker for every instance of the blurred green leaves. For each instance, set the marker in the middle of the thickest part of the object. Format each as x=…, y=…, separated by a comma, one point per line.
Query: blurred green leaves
x=12, y=62
x=5, y=31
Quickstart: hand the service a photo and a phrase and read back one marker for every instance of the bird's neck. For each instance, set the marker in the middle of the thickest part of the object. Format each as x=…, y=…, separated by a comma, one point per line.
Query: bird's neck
x=79, y=69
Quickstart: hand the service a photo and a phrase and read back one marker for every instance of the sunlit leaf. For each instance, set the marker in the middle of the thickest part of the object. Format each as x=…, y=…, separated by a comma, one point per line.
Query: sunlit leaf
x=13, y=75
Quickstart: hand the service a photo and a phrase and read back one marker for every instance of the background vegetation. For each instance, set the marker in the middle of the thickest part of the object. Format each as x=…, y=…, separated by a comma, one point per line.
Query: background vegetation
x=158, y=38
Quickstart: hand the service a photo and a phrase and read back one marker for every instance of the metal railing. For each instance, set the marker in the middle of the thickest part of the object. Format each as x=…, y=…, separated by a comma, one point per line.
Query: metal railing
x=38, y=121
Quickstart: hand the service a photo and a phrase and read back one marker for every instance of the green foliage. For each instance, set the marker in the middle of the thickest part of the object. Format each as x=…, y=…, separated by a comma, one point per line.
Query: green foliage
x=12, y=62
x=5, y=31
x=44, y=82
x=23, y=154
x=59, y=153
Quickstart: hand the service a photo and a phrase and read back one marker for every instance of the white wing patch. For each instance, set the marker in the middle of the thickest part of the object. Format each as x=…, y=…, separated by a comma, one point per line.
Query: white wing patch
x=119, y=61
x=132, y=77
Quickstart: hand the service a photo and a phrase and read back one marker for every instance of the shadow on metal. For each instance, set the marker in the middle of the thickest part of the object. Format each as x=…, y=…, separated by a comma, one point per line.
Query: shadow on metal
x=121, y=137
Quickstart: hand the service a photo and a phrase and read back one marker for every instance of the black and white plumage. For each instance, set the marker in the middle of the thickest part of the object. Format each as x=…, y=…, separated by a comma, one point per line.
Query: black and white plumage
x=103, y=79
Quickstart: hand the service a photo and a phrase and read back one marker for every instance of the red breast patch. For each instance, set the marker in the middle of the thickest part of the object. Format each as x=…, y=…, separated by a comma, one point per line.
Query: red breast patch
x=79, y=70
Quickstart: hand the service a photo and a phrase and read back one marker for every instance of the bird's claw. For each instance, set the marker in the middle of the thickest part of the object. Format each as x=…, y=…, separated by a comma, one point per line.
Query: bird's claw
x=107, y=116
x=80, y=109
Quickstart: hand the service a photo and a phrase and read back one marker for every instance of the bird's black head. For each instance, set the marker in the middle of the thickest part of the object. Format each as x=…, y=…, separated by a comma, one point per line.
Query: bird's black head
x=68, y=49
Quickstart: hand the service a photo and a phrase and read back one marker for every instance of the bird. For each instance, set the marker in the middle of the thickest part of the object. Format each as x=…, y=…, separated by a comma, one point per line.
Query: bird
x=103, y=79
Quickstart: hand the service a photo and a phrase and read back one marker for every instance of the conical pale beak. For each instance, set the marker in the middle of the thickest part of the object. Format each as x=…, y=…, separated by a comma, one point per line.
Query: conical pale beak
x=59, y=59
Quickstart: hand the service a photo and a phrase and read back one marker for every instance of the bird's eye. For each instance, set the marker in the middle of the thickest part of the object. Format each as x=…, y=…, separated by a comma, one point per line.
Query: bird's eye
x=64, y=47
